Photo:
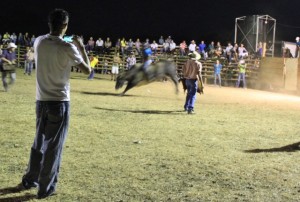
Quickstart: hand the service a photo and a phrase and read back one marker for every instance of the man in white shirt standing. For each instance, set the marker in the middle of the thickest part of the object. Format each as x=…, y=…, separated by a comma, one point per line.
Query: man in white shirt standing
x=54, y=58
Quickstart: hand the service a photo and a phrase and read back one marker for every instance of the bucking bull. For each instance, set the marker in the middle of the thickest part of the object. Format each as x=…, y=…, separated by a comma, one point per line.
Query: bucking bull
x=136, y=76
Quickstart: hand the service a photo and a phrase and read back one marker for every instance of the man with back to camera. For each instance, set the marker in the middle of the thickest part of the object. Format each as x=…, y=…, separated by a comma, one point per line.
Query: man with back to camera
x=54, y=58
x=192, y=73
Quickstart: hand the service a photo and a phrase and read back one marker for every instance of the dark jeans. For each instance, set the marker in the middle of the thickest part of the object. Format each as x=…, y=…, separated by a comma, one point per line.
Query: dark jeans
x=52, y=122
x=192, y=85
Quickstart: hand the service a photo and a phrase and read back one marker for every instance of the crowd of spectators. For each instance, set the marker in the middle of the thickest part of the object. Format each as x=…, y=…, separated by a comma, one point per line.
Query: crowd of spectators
x=163, y=46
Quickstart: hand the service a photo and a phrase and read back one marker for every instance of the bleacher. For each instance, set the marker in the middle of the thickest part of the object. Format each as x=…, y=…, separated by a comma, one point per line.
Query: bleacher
x=229, y=73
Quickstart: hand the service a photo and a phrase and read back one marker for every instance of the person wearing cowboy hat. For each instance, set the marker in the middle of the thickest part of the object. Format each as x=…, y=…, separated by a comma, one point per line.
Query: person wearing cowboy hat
x=8, y=57
x=192, y=73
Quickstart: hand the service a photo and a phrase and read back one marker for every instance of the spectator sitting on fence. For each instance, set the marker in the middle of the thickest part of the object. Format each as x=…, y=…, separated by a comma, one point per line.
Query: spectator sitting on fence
x=211, y=49
x=129, y=46
x=218, y=50
x=154, y=47
x=228, y=52
x=146, y=44
x=242, y=52
x=6, y=38
x=166, y=47
x=202, y=47
x=182, y=48
x=90, y=45
x=217, y=72
x=123, y=45
x=130, y=61
x=118, y=46
x=107, y=46
x=172, y=47
x=192, y=46
x=99, y=46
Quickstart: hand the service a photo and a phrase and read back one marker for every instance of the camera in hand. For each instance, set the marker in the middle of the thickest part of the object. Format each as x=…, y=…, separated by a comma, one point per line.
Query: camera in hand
x=68, y=38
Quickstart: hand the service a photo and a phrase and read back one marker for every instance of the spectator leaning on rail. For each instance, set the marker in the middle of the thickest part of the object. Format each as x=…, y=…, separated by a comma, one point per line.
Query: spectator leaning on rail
x=8, y=57
x=191, y=72
x=54, y=58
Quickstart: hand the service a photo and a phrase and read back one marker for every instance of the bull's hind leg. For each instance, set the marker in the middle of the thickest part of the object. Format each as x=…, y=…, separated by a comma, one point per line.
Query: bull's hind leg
x=175, y=81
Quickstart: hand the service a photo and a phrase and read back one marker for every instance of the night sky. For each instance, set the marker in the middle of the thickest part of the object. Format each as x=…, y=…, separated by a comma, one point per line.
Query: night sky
x=200, y=20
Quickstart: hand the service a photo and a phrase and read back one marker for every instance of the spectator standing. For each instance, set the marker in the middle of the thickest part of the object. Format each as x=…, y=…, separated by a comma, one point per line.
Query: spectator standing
x=192, y=74
x=130, y=46
x=118, y=46
x=93, y=61
x=161, y=40
x=26, y=39
x=182, y=48
x=217, y=72
x=242, y=72
x=115, y=66
x=297, y=47
x=54, y=59
x=13, y=38
x=32, y=40
x=20, y=40
x=8, y=57
x=138, y=46
x=123, y=45
x=29, y=61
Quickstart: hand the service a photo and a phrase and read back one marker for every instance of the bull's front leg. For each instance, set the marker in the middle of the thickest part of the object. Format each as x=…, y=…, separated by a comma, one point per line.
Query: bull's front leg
x=130, y=85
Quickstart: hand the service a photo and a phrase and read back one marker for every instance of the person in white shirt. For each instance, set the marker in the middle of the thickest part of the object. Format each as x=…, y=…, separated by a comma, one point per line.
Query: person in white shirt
x=99, y=46
x=154, y=47
x=54, y=58
x=242, y=52
x=192, y=46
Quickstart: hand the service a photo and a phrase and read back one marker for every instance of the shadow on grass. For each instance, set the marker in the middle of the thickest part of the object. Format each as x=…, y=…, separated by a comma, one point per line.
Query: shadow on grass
x=27, y=197
x=15, y=190
x=141, y=111
x=108, y=94
x=288, y=148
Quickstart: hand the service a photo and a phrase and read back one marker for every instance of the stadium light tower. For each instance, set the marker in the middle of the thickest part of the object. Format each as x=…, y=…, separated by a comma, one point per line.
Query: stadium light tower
x=250, y=30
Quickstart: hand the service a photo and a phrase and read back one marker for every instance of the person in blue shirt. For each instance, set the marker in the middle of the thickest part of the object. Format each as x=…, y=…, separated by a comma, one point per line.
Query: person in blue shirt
x=202, y=47
x=217, y=73
x=297, y=47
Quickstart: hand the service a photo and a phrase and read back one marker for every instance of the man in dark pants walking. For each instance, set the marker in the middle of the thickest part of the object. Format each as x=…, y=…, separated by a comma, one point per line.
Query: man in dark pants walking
x=54, y=58
x=192, y=73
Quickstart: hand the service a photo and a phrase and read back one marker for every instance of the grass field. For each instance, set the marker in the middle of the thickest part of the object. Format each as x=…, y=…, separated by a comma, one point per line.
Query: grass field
x=241, y=145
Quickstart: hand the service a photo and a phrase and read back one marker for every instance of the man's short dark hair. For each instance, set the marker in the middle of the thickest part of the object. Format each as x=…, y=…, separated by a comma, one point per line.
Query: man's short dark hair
x=57, y=18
